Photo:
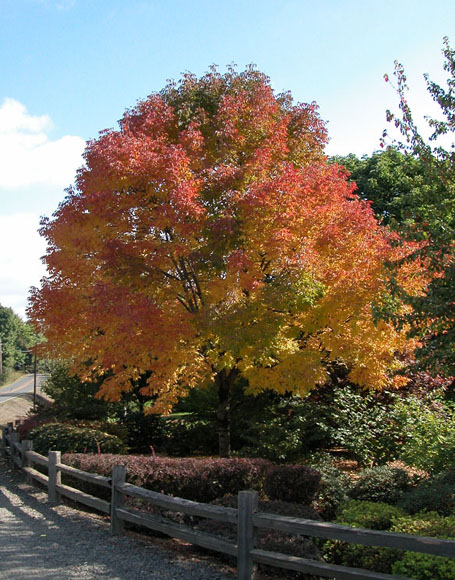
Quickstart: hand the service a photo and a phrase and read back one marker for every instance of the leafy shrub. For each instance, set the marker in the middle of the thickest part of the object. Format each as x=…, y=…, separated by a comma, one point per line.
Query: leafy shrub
x=334, y=490
x=407, y=564
x=370, y=515
x=382, y=484
x=65, y=438
x=430, y=440
x=72, y=397
x=279, y=439
x=187, y=435
x=357, y=556
x=197, y=479
x=111, y=427
x=31, y=423
x=436, y=494
x=425, y=566
x=336, y=415
x=426, y=523
x=293, y=483
x=143, y=432
x=447, y=476
x=365, y=424
x=286, y=429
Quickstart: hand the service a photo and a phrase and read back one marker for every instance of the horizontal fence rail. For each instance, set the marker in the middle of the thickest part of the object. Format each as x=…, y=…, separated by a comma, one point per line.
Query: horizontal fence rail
x=246, y=518
x=407, y=542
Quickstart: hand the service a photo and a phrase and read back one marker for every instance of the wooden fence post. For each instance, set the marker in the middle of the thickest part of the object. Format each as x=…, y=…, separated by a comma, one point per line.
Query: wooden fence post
x=55, y=476
x=27, y=445
x=117, y=499
x=247, y=504
x=13, y=439
x=4, y=433
x=9, y=430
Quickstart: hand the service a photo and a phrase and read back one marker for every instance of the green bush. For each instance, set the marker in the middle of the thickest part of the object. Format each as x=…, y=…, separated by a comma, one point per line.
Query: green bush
x=370, y=515
x=69, y=438
x=72, y=397
x=110, y=427
x=425, y=566
x=280, y=438
x=336, y=415
x=365, y=424
x=430, y=437
x=356, y=556
x=334, y=490
x=386, y=517
x=382, y=484
x=144, y=432
x=292, y=483
x=184, y=436
x=436, y=494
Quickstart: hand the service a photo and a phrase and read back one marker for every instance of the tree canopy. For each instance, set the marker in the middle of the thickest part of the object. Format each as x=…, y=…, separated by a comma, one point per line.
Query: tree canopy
x=432, y=219
x=393, y=182
x=207, y=239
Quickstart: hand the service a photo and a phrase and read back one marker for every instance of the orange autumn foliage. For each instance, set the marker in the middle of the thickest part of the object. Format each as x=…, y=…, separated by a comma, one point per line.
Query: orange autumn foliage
x=208, y=234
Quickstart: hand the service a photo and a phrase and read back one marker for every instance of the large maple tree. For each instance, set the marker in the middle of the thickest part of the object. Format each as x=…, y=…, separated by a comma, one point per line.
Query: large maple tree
x=207, y=239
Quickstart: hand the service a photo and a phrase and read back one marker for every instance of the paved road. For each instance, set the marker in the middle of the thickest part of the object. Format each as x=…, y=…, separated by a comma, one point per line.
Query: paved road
x=20, y=387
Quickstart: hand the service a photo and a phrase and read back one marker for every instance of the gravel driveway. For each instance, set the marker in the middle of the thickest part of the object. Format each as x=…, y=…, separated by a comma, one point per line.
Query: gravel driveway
x=42, y=542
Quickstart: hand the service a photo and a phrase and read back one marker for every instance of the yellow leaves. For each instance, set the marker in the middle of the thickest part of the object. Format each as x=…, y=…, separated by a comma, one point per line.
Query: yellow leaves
x=296, y=373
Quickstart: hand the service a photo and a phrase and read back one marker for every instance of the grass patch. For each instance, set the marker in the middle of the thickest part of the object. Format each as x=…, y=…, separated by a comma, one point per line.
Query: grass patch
x=9, y=377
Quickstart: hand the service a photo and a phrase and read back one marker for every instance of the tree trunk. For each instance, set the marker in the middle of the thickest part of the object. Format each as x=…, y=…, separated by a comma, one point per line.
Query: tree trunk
x=224, y=382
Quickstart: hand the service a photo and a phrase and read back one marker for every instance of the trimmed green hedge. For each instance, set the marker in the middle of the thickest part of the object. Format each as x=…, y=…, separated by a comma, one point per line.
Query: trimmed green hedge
x=69, y=438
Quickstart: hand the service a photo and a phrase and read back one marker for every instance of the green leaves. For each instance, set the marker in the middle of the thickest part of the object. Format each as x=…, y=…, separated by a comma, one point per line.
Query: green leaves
x=16, y=337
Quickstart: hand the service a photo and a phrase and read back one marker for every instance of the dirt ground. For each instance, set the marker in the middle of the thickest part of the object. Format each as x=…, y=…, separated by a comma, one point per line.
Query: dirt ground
x=16, y=408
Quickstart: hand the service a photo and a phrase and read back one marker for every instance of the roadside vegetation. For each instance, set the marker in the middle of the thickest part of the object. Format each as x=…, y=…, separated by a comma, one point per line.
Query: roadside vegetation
x=16, y=339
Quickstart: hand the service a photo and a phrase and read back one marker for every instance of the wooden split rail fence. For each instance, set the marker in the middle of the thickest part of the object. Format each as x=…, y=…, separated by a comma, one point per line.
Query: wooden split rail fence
x=247, y=518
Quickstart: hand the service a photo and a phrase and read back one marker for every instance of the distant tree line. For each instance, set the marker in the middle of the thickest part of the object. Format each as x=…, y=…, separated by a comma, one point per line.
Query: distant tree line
x=16, y=337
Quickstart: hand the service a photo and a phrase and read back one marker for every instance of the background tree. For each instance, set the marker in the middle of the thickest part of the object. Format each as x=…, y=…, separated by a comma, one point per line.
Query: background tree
x=16, y=337
x=208, y=240
x=393, y=182
x=433, y=217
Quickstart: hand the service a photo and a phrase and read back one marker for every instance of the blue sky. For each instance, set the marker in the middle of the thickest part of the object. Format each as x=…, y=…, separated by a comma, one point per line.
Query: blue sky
x=69, y=68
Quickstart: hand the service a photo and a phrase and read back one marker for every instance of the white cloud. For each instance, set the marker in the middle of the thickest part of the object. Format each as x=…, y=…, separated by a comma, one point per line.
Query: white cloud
x=34, y=170
x=28, y=156
x=21, y=248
